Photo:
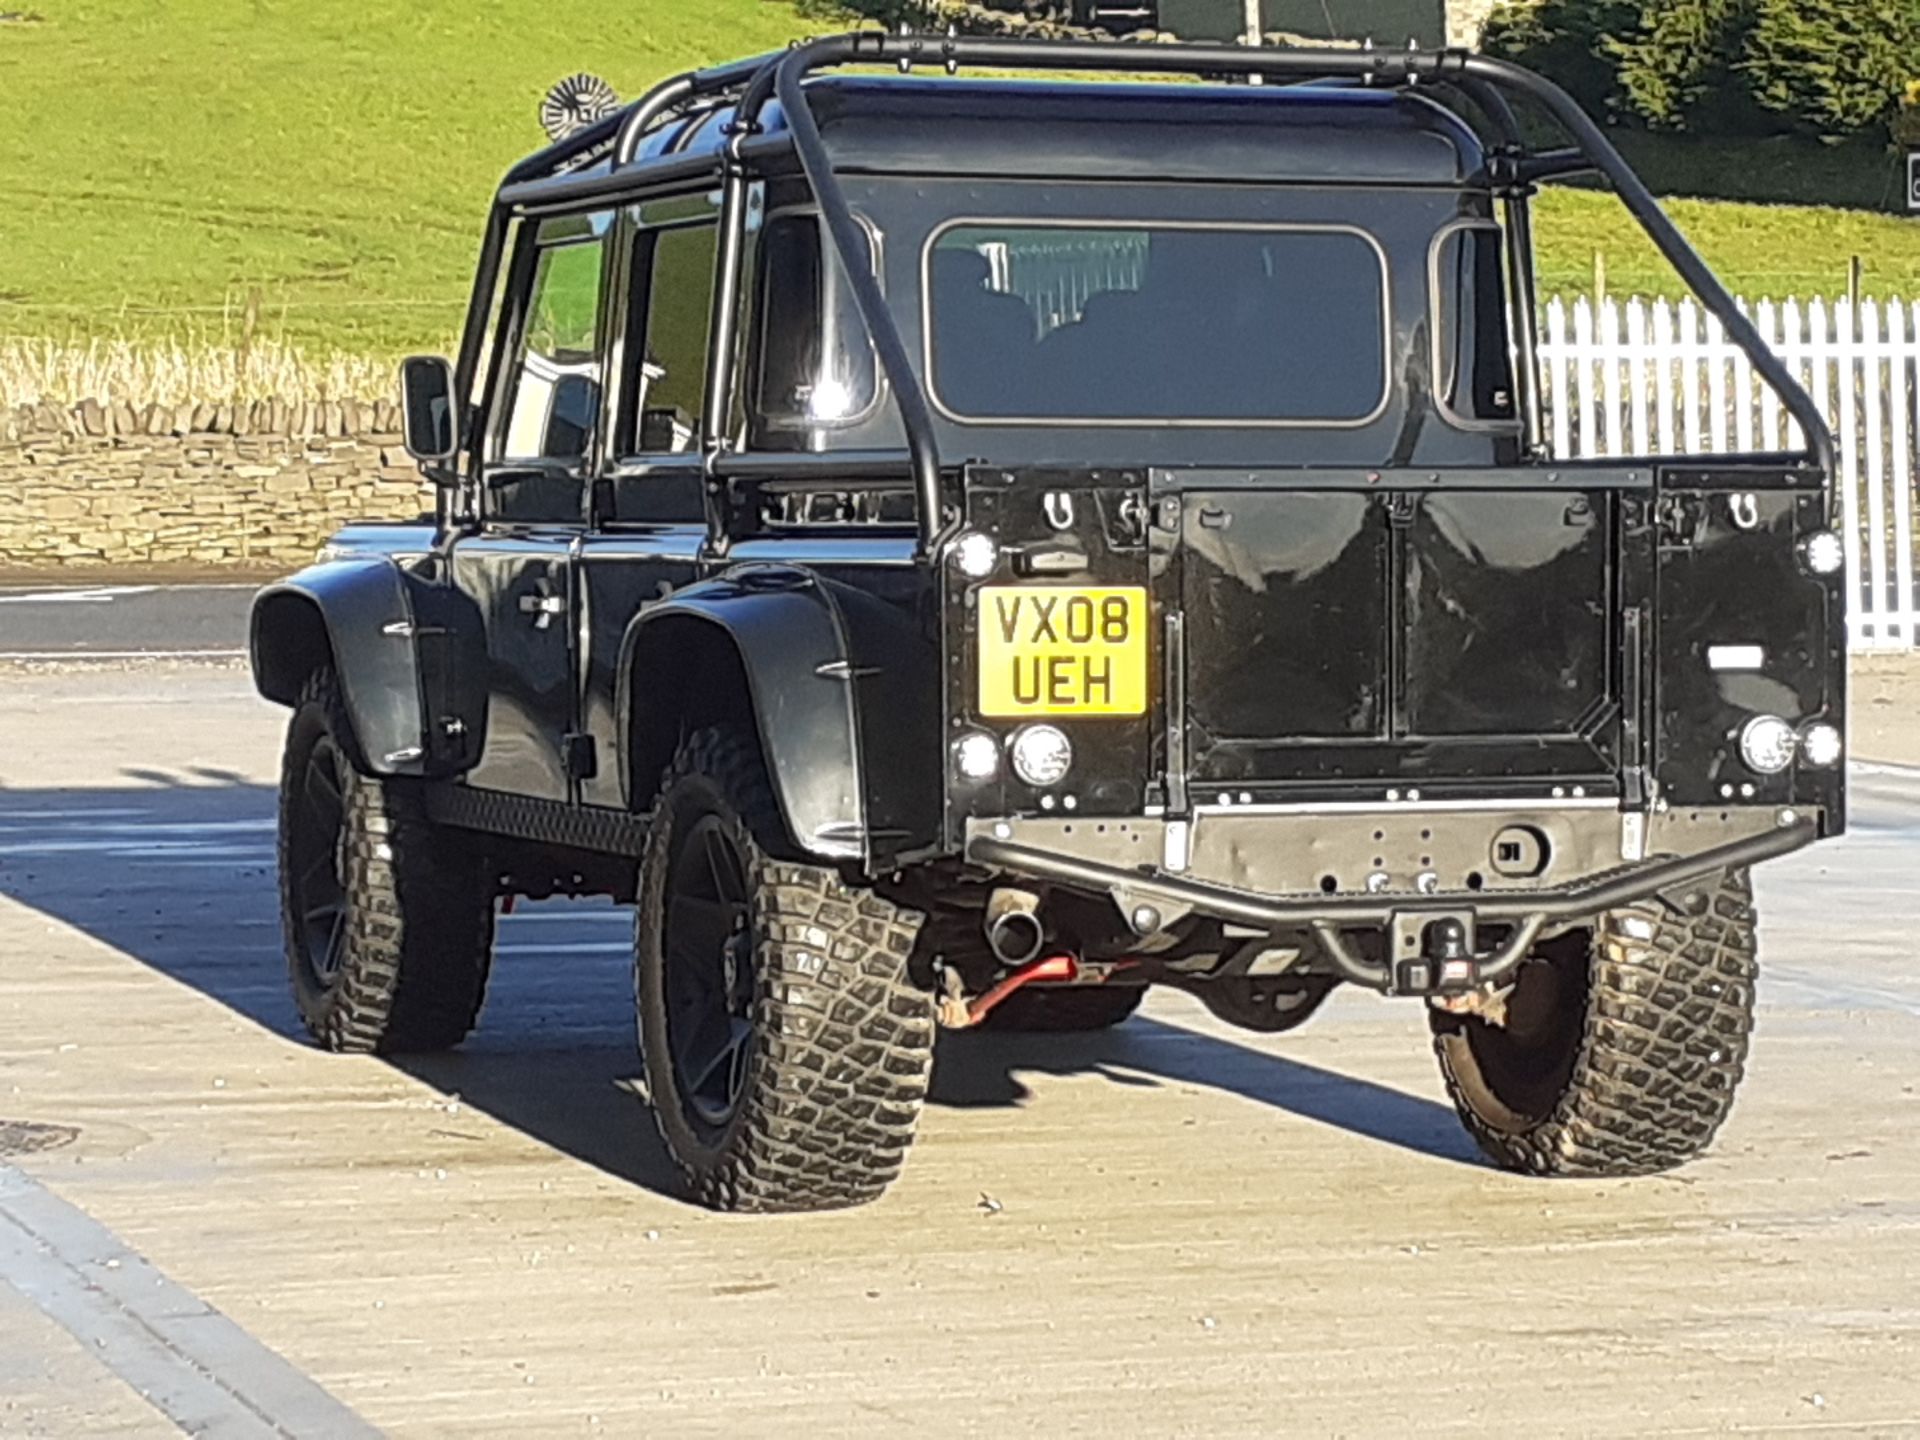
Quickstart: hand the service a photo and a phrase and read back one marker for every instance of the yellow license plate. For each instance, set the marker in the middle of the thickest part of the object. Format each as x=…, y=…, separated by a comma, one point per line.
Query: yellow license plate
x=1062, y=650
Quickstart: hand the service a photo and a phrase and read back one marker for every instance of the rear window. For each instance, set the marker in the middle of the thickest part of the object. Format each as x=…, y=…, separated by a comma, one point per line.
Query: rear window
x=1145, y=324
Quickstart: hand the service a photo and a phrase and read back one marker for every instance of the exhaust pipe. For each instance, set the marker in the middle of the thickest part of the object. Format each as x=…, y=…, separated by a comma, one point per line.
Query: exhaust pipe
x=1016, y=937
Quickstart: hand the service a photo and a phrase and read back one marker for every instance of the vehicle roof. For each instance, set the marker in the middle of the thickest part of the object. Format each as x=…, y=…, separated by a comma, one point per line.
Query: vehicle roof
x=1088, y=129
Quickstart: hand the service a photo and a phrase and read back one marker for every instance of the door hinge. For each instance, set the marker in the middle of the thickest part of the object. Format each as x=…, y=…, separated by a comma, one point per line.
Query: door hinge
x=1401, y=505
x=579, y=755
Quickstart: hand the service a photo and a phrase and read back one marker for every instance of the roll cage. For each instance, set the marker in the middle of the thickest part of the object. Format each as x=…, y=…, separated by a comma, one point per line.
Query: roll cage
x=553, y=179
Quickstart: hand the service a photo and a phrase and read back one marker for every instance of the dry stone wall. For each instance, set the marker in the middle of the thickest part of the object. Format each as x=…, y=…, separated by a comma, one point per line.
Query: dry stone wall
x=247, y=485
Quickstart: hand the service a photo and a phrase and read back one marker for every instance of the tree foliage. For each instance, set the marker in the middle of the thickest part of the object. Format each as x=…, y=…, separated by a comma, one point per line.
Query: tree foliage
x=1676, y=60
x=1829, y=67
x=1837, y=66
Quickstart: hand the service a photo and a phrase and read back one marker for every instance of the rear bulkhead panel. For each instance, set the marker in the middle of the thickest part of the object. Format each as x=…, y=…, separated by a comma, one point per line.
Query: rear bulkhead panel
x=1343, y=639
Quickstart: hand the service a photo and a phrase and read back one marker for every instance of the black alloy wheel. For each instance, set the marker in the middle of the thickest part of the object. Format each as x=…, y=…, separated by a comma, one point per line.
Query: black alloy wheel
x=785, y=1046
x=317, y=843
x=709, y=975
x=386, y=917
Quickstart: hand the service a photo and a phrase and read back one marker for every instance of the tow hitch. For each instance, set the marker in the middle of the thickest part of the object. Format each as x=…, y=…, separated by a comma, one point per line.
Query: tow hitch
x=1431, y=953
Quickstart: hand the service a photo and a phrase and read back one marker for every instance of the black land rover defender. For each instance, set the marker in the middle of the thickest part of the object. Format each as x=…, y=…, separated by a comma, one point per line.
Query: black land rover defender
x=957, y=552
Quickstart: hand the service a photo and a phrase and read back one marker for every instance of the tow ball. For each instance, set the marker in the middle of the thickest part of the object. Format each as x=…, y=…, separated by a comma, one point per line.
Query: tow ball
x=1446, y=962
x=1433, y=955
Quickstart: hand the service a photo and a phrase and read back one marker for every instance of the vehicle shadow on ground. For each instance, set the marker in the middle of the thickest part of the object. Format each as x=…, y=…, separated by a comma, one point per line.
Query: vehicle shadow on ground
x=181, y=876
x=974, y=1069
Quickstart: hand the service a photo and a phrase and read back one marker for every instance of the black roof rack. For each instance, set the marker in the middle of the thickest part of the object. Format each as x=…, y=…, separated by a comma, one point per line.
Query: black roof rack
x=1487, y=83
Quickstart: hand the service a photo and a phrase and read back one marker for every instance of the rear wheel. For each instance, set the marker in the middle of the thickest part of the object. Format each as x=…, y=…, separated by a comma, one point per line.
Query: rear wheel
x=1622, y=1046
x=387, y=917
x=785, y=1050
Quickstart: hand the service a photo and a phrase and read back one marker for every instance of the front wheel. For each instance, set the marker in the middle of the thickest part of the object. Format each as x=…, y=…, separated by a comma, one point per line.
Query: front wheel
x=1621, y=1047
x=387, y=917
x=785, y=1049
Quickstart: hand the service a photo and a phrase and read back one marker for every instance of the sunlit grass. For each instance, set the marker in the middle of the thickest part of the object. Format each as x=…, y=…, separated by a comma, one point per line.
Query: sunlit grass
x=314, y=173
x=331, y=162
x=46, y=372
x=1770, y=251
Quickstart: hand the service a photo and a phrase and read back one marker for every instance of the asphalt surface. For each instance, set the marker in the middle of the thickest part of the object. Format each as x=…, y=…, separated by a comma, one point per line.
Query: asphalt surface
x=111, y=622
x=1172, y=1229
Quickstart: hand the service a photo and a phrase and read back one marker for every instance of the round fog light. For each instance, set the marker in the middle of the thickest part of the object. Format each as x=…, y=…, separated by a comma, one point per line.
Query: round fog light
x=1766, y=744
x=1824, y=552
x=975, y=555
x=1042, y=755
x=1821, y=744
x=976, y=756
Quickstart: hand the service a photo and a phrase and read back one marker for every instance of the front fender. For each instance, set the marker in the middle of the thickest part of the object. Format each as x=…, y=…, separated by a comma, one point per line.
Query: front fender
x=837, y=684
x=409, y=654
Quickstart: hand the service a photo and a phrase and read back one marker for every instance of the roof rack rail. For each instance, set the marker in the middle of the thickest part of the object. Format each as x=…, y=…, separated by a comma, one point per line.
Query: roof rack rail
x=1485, y=81
x=1480, y=76
x=619, y=135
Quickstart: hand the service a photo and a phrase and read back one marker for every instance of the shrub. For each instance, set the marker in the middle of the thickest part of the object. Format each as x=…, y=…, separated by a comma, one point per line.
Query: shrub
x=1835, y=67
x=1677, y=61
x=1829, y=67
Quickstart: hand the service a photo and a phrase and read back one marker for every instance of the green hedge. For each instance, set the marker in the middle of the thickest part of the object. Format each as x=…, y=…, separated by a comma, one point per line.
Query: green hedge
x=1829, y=68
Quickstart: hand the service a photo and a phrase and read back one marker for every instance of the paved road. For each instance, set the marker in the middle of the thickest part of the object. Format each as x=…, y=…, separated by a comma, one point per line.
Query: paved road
x=80, y=621
x=1191, y=1230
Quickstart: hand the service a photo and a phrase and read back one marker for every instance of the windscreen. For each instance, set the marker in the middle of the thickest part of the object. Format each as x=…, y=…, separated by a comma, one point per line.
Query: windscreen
x=1156, y=324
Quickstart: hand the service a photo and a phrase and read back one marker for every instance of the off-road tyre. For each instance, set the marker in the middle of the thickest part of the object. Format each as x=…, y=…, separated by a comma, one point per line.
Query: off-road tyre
x=1624, y=1050
x=1065, y=1008
x=415, y=923
x=837, y=1052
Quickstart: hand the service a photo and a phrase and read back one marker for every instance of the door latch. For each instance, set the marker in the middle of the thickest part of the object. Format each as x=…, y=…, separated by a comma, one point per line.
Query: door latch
x=543, y=608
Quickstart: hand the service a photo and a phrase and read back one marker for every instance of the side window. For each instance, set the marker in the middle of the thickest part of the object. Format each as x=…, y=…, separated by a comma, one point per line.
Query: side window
x=553, y=400
x=1472, y=366
x=672, y=299
x=814, y=367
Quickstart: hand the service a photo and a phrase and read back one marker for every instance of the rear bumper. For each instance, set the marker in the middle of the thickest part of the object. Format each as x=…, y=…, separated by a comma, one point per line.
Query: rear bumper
x=1680, y=848
x=1566, y=902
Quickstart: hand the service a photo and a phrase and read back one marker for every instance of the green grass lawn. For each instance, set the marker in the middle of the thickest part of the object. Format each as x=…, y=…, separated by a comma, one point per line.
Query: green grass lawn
x=1757, y=250
x=162, y=163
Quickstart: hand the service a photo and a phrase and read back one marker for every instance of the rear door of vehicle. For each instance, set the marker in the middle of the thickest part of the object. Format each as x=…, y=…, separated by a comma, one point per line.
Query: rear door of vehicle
x=1353, y=628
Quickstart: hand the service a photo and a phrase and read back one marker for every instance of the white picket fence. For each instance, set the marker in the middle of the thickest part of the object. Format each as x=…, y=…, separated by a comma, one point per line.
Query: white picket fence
x=1644, y=378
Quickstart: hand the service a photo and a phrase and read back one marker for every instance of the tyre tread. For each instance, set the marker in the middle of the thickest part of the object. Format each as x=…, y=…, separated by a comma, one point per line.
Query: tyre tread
x=847, y=1037
x=1668, y=1024
x=420, y=913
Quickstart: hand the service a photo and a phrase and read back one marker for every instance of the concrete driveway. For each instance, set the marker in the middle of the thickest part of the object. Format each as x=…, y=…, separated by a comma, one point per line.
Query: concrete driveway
x=1172, y=1229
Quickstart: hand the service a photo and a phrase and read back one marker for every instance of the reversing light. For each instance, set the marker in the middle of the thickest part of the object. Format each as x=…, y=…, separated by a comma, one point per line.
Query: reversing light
x=1821, y=744
x=1824, y=553
x=974, y=555
x=977, y=756
x=1767, y=743
x=1042, y=755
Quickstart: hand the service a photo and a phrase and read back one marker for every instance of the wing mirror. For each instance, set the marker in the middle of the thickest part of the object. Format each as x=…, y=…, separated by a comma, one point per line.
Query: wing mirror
x=426, y=393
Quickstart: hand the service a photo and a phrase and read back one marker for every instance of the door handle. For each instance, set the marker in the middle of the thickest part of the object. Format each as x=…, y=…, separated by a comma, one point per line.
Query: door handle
x=543, y=608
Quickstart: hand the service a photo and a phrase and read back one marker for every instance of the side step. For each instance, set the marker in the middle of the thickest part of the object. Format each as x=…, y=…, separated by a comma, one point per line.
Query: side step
x=544, y=822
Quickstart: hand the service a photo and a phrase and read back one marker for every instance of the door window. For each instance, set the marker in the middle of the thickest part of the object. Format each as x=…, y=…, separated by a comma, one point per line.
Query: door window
x=553, y=401
x=672, y=309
